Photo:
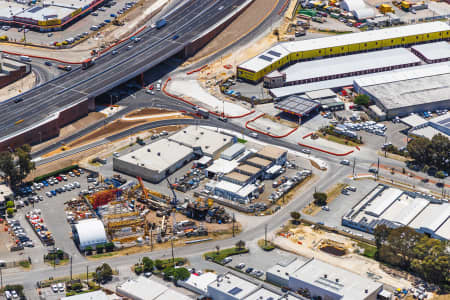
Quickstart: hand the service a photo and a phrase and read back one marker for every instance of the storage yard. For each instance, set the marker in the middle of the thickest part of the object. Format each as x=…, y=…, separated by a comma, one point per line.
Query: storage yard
x=394, y=208
x=283, y=54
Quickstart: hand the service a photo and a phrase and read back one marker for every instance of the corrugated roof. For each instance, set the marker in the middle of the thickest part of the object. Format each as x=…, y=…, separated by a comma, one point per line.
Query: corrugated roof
x=272, y=152
x=432, y=51
x=432, y=217
x=257, y=63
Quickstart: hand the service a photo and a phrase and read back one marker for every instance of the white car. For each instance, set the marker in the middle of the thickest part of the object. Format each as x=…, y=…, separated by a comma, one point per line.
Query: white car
x=48, y=194
x=60, y=287
x=306, y=151
x=76, y=184
x=54, y=288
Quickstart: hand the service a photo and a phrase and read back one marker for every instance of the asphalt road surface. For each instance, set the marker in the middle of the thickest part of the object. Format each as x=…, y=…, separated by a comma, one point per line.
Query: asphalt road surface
x=184, y=24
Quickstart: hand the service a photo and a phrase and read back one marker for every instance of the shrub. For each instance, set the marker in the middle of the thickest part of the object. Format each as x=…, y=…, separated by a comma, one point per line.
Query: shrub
x=10, y=212
x=320, y=199
x=54, y=173
x=168, y=272
x=109, y=247
x=159, y=264
x=138, y=270
x=10, y=204
x=181, y=274
x=147, y=264
x=99, y=248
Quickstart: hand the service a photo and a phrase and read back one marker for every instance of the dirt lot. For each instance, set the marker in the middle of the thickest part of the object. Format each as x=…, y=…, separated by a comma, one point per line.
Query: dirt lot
x=249, y=19
x=70, y=129
x=147, y=111
x=5, y=240
x=304, y=240
x=332, y=193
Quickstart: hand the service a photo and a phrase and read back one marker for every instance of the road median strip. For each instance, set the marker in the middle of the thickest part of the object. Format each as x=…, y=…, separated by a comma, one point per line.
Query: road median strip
x=266, y=133
x=326, y=151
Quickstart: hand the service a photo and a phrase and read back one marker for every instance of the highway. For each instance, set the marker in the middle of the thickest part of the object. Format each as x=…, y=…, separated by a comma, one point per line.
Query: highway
x=42, y=102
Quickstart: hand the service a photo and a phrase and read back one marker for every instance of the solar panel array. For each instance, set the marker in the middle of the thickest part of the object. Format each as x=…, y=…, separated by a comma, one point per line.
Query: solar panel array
x=445, y=122
x=274, y=53
x=266, y=58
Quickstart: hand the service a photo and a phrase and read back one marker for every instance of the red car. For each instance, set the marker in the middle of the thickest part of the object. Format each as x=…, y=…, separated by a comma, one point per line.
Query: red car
x=59, y=178
x=150, y=87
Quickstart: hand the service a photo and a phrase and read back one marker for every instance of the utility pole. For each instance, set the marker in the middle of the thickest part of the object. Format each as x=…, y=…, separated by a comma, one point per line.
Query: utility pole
x=173, y=257
x=70, y=268
x=151, y=238
x=265, y=235
x=87, y=275
x=354, y=163
x=233, y=224
x=378, y=168
x=1, y=279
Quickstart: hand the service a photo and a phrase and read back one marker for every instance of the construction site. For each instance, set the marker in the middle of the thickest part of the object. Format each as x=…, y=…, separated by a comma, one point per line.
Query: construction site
x=133, y=215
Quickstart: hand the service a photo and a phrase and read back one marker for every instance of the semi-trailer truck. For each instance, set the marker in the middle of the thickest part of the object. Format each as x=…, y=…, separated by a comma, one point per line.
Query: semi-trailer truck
x=203, y=112
x=87, y=63
x=65, y=68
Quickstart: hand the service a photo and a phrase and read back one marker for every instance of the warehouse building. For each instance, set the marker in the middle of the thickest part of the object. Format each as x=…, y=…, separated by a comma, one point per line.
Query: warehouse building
x=286, y=53
x=408, y=91
x=209, y=142
x=143, y=288
x=275, y=154
x=232, y=191
x=433, y=52
x=427, y=128
x=48, y=15
x=232, y=152
x=395, y=208
x=324, y=281
x=155, y=161
x=359, y=8
x=89, y=233
x=346, y=66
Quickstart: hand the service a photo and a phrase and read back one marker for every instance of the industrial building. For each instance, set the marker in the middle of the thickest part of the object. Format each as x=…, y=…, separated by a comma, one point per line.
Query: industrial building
x=345, y=66
x=198, y=283
x=358, y=8
x=96, y=295
x=155, y=161
x=433, y=52
x=47, y=15
x=209, y=142
x=232, y=191
x=232, y=152
x=89, y=233
x=286, y=53
x=408, y=91
x=320, y=280
x=395, y=208
x=143, y=288
x=427, y=128
x=299, y=106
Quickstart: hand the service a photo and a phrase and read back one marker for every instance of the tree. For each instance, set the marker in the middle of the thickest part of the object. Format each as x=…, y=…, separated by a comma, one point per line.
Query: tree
x=24, y=162
x=320, y=199
x=240, y=245
x=159, y=264
x=109, y=247
x=181, y=274
x=401, y=242
x=99, y=248
x=10, y=204
x=168, y=272
x=296, y=216
x=10, y=212
x=147, y=264
x=440, y=174
x=362, y=99
x=103, y=273
x=8, y=167
x=381, y=234
x=418, y=147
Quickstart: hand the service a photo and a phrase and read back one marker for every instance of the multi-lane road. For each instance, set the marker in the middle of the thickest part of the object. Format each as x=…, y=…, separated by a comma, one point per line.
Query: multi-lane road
x=185, y=24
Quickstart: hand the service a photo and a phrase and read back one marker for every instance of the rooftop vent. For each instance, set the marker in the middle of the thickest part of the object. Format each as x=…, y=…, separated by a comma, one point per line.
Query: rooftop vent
x=325, y=276
x=366, y=291
x=337, y=279
x=148, y=150
x=159, y=153
x=201, y=132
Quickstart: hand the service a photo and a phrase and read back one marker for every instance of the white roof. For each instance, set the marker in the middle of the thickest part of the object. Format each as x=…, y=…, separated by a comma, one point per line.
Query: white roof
x=432, y=51
x=157, y=156
x=233, y=286
x=5, y=192
x=378, y=205
x=348, y=285
x=414, y=120
x=263, y=294
x=427, y=132
x=320, y=94
x=432, y=217
x=45, y=13
x=10, y=9
x=242, y=191
x=223, y=166
x=312, y=86
x=284, y=270
x=444, y=231
x=90, y=232
x=143, y=288
x=195, y=136
x=266, y=58
x=96, y=295
x=233, y=150
x=257, y=63
x=404, y=209
x=201, y=282
x=350, y=5
x=350, y=63
x=362, y=13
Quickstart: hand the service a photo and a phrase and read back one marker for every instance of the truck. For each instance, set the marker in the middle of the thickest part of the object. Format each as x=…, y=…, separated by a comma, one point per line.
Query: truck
x=87, y=63
x=65, y=68
x=203, y=112
x=161, y=23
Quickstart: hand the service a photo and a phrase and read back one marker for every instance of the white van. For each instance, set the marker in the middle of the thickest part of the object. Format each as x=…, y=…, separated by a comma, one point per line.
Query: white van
x=25, y=58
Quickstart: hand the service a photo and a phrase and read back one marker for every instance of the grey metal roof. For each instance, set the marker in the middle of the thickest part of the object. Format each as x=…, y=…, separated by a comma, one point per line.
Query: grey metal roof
x=297, y=105
x=434, y=51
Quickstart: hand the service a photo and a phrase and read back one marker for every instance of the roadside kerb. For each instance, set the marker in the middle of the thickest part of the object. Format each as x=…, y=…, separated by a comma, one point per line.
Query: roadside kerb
x=266, y=133
x=193, y=104
x=196, y=70
x=325, y=151
x=308, y=135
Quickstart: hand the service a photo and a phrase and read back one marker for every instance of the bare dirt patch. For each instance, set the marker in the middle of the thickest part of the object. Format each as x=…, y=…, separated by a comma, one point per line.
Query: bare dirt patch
x=147, y=111
x=72, y=128
x=250, y=18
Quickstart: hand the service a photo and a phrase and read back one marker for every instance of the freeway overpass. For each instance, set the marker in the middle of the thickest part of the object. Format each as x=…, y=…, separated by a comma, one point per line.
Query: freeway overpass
x=64, y=99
